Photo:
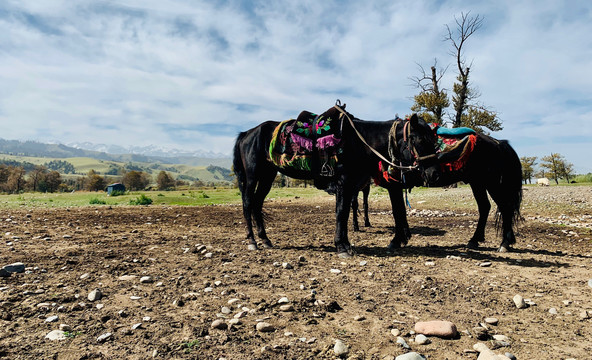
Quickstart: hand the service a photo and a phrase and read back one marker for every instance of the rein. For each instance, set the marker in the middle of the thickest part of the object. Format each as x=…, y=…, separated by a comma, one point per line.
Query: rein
x=370, y=147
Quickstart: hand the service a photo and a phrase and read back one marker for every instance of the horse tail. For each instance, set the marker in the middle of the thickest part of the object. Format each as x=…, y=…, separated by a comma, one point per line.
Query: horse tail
x=237, y=162
x=511, y=182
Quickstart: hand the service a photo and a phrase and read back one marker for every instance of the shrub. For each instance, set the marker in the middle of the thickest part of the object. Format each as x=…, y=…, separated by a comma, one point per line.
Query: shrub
x=97, y=201
x=141, y=200
x=117, y=193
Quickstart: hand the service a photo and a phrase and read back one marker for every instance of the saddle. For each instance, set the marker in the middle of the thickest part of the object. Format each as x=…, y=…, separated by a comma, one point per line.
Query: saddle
x=308, y=143
x=454, y=146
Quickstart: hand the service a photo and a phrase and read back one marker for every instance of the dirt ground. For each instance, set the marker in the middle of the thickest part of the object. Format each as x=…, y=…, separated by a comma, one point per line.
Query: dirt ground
x=200, y=271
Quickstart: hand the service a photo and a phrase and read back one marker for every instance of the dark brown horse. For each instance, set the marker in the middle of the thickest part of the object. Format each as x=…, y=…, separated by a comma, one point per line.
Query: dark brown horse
x=363, y=145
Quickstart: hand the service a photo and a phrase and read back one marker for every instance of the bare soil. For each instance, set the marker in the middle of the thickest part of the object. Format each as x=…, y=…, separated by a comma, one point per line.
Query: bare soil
x=70, y=252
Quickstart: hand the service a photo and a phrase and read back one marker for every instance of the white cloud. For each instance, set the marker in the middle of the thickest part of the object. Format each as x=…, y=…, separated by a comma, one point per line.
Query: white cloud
x=115, y=72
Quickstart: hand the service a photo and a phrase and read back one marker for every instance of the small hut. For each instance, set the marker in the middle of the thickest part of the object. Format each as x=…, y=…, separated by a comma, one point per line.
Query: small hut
x=119, y=187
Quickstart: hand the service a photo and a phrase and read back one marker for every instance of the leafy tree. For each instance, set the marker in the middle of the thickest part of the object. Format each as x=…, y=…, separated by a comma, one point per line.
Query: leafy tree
x=35, y=176
x=95, y=182
x=432, y=101
x=50, y=182
x=528, y=163
x=164, y=181
x=12, y=178
x=135, y=180
x=61, y=165
x=557, y=167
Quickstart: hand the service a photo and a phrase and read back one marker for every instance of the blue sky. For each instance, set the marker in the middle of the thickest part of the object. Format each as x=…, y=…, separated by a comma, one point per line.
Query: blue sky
x=192, y=74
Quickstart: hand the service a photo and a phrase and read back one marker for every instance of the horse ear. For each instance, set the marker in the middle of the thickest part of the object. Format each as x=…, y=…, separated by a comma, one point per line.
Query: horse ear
x=414, y=120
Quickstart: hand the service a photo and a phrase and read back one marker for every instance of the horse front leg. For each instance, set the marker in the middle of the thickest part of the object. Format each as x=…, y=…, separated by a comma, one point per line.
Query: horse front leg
x=402, y=232
x=342, y=209
x=480, y=194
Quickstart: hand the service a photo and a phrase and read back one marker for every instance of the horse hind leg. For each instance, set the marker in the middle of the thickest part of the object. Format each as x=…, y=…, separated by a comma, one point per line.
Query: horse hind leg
x=248, y=197
x=480, y=194
x=354, y=209
x=263, y=189
x=505, y=214
x=365, y=193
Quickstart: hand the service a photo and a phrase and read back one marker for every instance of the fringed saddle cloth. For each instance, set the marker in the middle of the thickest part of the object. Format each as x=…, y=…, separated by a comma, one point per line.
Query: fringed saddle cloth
x=455, y=146
x=309, y=143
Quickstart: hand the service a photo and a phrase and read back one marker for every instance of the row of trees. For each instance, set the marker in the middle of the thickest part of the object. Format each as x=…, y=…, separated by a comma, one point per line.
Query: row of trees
x=15, y=179
x=553, y=166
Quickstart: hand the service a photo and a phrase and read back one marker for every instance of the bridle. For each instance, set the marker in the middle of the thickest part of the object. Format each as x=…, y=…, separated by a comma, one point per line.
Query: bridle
x=393, y=136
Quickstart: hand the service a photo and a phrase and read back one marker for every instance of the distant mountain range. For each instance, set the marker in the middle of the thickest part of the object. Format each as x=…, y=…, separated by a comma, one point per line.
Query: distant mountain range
x=148, y=154
x=151, y=150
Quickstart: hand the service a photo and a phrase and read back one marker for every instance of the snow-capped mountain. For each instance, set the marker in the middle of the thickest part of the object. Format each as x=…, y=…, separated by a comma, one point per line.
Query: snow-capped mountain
x=151, y=150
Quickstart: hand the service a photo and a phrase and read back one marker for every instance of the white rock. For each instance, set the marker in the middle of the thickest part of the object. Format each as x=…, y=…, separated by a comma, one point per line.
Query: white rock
x=421, y=339
x=146, y=279
x=553, y=311
x=95, y=295
x=519, y=302
x=104, y=337
x=340, y=349
x=56, y=335
x=491, y=321
x=410, y=356
x=335, y=271
x=52, y=319
x=395, y=332
x=264, y=327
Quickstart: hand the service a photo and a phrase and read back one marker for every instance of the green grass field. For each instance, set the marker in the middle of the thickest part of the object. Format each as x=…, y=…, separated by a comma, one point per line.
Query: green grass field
x=206, y=196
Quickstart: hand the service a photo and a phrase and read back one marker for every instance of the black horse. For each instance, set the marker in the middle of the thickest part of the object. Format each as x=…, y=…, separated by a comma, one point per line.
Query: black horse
x=363, y=145
x=489, y=166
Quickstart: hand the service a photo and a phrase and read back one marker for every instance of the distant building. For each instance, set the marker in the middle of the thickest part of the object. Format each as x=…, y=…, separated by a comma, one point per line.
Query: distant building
x=115, y=187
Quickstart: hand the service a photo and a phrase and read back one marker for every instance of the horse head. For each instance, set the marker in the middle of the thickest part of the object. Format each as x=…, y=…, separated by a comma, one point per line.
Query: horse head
x=413, y=144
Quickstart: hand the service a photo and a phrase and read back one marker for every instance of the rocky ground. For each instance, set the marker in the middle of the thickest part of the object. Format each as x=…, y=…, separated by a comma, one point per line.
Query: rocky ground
x=178, y=282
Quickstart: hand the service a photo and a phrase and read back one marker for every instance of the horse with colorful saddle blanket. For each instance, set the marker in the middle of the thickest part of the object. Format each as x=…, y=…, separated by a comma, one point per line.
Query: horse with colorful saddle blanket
x=308, y=143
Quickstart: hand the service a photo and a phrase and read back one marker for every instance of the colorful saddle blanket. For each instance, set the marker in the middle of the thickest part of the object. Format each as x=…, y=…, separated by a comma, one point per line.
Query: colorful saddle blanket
x=454, y=146
x=308, y=143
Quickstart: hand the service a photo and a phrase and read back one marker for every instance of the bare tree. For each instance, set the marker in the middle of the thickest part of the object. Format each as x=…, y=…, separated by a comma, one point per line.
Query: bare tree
x=432, y=100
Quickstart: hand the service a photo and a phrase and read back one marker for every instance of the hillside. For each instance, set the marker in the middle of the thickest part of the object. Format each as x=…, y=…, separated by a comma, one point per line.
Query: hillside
x=60, y=151
x=188, y=168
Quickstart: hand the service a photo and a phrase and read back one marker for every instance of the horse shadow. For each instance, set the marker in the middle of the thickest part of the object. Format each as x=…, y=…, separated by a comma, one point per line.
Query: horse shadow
x=483, y=254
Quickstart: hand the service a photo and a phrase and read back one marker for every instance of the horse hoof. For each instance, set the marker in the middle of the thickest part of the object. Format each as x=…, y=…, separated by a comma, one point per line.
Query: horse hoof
x=503, y=249
x=267, y=244
x=473, y=245
x=344, y=255
x=252, y=247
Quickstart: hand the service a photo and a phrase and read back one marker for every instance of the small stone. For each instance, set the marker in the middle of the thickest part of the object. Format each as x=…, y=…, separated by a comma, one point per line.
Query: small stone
x=287, y=265
x=65, y=327
x=240, y=315
x=219, y=324
x=485, y=264
x=590, y=283
x=127, y=277
x=56, y=335
x=283, y=300
x=421, y=339
x=411, y=356
x=335, y=271
x=234, y=322
x=84, y=276
x=133, y=297
x=225, y=310
x=395, y=332
x=519, y=302
x=17, y=267
x=146, y=319
x=491, y=321
x=443, y=329
x=480, y=333
x=500, y=337
x=53, y=318
x=104, y=337
x=584, y=315
x=403, y=343
x=430, y=263
x=264, y=327
x=363, y=263
x=510, y=356
x=553, y=311
x=287, y=308
x=95, y=295
x=208, y=255
x=4, y=273
x=233, y=301
x=136, y=326
x=340, y=349
x=359, y=318
x=146, y=279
